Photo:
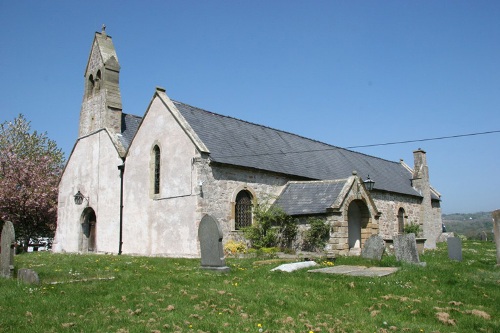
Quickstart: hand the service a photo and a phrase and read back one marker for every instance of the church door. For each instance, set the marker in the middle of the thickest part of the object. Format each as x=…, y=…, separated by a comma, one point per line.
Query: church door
x=88, y=232
x=358, y=216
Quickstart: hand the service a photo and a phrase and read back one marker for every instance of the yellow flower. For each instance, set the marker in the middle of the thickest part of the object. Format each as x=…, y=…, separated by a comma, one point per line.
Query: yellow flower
x=259, y=325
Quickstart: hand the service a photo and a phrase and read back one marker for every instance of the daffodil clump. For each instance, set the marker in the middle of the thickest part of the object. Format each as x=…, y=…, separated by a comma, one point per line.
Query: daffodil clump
x=233, y=248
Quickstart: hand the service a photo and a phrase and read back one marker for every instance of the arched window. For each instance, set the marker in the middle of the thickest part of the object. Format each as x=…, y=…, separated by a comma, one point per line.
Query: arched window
x=401, y=220
x=156, y=153
x=243, y=210
x=98, y=81
x=90, y=85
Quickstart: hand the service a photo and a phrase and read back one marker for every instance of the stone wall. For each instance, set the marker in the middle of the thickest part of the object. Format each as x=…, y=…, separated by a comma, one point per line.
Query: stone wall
x=222, y=183
x=389, y=205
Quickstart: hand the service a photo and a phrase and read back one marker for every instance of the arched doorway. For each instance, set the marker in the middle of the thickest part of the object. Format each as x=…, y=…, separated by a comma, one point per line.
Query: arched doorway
x=88, y=234
x=357, y=218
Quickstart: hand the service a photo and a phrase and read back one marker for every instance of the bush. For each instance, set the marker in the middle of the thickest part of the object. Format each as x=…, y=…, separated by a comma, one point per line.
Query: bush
x=317, y=235
x=272, y=227
x=412, y=228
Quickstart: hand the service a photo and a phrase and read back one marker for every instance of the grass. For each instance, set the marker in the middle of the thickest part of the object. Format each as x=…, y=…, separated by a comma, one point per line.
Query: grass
x=101, y=293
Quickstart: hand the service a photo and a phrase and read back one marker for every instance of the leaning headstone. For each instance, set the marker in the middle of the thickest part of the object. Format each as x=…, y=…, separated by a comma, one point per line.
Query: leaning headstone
x=8, y=249
x=27, y=275
x=374, y=248
x=496, y=231
x=454, y=248
x=212, y=252
x=405, y=248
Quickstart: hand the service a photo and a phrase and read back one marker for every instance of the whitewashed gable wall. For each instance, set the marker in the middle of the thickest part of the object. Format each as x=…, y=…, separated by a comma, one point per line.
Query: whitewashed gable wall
x=164, y=224
x=92, y=170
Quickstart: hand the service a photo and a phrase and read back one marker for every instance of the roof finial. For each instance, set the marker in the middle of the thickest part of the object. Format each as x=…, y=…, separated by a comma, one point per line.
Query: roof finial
x=104, y=28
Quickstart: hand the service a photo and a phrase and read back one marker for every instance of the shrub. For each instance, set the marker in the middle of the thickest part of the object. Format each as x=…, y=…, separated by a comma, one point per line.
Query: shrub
x=317, y=235
x=412, y=228
x=272, y=227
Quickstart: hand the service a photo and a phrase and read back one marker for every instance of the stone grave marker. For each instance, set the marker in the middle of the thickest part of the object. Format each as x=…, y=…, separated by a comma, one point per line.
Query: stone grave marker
x=496, y=231
x=357, y=270
x=28, y=276
x=454, y=248
x=294, y=266
x=405, y=248
x=8, y=249
x=212, y=252
x=374, y=248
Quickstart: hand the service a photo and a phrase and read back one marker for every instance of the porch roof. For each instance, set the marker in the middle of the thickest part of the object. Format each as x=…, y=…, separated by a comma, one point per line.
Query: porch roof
x=311, y=197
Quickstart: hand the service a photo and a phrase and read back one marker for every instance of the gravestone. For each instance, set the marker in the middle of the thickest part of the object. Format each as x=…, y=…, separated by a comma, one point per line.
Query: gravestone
x=212, y=252
x=8, y=249
x=374, y=248
x=28, y=276
x=496, y=231
x=405, y=248
x=454, y=248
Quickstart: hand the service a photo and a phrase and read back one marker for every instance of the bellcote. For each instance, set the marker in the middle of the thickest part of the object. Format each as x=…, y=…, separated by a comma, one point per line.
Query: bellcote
x=102, y=104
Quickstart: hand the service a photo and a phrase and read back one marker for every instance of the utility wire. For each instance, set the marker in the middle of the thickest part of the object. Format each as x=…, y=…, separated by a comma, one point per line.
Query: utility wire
x=365, y=146
x=420, y=140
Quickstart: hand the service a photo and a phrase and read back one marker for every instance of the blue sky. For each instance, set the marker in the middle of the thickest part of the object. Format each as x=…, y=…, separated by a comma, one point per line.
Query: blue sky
x=347, y=73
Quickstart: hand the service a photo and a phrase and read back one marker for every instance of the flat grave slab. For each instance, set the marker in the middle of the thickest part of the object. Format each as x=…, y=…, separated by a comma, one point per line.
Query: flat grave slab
x=356, y=270
x=375, y=271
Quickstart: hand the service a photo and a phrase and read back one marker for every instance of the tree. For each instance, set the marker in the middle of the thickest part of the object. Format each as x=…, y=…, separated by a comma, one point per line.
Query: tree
x=30, y=166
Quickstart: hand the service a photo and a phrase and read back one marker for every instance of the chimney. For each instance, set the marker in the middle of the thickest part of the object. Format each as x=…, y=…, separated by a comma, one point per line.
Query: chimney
x=420, y=169
x=431, y=226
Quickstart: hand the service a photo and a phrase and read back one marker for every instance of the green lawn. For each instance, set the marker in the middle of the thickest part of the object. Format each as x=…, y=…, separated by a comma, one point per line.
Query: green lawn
x=140, y=294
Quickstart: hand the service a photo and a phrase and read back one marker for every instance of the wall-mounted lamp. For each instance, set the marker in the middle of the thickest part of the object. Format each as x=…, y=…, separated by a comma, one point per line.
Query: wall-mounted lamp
x=79, y=198
x=200, y=187
x=369, y=183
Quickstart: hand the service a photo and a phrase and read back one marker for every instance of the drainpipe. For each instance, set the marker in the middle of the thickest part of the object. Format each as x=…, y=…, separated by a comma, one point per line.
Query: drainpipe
x=122, y=169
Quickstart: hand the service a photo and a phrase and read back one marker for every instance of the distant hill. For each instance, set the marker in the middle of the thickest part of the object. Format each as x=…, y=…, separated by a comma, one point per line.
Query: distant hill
x=474, y=225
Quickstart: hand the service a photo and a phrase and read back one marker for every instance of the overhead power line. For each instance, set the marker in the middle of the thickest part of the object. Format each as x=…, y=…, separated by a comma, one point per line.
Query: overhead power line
x=365, y=146
x=421, y=140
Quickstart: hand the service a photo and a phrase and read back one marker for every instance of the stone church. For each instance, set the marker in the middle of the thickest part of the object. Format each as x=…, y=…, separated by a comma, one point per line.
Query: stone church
x=142, y=184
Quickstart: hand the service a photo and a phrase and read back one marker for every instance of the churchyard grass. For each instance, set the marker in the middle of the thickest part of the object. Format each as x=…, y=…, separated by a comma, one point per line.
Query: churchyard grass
x=105, y=293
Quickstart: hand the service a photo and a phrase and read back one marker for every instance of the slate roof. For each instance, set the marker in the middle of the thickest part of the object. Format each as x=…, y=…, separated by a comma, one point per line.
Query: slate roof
x=313, y=197
x=130, y=125
x=240, y=143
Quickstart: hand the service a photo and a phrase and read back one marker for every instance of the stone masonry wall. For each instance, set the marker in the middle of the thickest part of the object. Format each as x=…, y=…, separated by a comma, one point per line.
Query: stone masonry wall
x=389, y=204
x=220, y=186
x=90, y=114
